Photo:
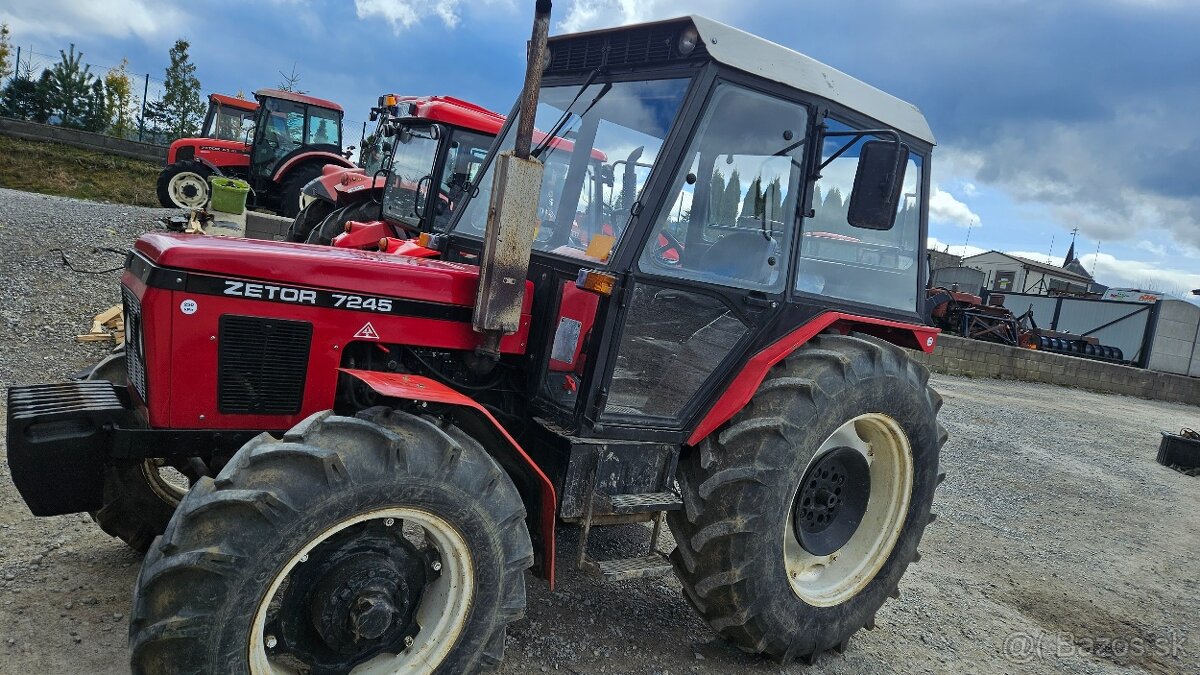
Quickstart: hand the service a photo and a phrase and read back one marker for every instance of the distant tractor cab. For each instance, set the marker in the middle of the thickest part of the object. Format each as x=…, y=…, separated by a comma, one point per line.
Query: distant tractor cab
x=678, y=291
x=418, y=141
x=277, y=145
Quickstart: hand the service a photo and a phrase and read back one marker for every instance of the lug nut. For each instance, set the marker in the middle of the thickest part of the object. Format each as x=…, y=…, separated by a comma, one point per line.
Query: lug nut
x=408, y=641
x=304, y=558
x=271, y=642
x=389, y=522
x=437, y=566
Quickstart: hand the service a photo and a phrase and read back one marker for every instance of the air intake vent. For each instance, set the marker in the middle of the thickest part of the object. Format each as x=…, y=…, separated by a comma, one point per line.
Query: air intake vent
x=135, y=354
x=261, y=365
x=648, y=45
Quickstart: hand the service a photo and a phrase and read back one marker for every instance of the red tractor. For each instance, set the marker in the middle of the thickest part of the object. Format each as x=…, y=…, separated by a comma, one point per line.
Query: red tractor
x=422, y=136
x=277, y=149
x=380, y=446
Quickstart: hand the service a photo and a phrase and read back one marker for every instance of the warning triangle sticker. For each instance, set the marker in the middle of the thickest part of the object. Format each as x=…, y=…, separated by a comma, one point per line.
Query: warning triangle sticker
x=367, y=332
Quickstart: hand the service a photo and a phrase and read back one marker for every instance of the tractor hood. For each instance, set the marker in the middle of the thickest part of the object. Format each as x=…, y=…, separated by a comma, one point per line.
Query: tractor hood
x=306, y=266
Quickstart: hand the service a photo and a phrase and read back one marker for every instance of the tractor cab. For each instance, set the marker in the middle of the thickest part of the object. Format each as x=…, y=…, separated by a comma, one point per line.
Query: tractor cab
x=229, y=118
x=289, y=124
x=746, y=190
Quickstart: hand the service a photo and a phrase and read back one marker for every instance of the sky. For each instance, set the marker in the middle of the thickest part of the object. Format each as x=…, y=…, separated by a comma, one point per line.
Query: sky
x=1050, y=115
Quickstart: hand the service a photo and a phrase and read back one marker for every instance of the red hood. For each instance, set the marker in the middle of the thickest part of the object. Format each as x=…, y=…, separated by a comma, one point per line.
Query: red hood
x=365, y=272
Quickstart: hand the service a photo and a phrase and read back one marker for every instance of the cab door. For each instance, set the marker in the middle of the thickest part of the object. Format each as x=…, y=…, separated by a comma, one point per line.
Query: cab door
x=711, y=274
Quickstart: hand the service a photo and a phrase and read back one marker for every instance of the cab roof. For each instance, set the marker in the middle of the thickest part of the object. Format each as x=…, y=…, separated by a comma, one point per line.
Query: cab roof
x=751, y=54
x=455, y=111
x=298, y=98
x=233, y=102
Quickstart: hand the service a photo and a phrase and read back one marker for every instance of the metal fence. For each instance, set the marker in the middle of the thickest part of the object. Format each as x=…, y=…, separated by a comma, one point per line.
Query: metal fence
x=1125, y=325
x=146, y=90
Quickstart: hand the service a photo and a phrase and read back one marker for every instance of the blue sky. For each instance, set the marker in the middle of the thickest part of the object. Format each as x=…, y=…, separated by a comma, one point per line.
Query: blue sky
x=1050, y=114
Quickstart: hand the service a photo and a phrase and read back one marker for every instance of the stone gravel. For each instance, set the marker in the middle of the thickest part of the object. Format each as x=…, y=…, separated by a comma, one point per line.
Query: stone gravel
x=1061, y=545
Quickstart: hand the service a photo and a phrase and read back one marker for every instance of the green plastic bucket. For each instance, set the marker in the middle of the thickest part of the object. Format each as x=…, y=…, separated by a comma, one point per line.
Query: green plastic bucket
x=229, y=194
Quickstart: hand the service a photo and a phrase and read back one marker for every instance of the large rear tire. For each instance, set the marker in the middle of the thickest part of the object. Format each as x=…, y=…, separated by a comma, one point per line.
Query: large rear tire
x=294, y=556
x=802, y=514
x=184, y=185
x=309, y=217
x=292, y=189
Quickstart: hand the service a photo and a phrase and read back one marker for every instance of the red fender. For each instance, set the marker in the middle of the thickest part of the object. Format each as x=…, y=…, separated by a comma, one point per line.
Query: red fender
x=417, y=388
x=742, y=388
x=363, y=234
x=325, y=158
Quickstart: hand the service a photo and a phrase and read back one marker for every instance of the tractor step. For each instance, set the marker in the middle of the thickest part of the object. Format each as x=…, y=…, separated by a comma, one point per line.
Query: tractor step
x=650, y=502
x=653, y=565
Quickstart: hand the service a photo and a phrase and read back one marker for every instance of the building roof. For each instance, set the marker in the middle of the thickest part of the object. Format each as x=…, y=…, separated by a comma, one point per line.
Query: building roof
x=1035, y=265
x=298, y=98
x=766, y=59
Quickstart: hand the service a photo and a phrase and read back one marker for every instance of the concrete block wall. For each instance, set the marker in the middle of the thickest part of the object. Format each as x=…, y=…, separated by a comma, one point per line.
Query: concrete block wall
x=83, y=139
x=974, y=358
x=1175, y=347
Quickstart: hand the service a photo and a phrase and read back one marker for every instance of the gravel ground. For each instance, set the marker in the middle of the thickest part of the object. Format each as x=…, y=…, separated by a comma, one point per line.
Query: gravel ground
x=1061, y=547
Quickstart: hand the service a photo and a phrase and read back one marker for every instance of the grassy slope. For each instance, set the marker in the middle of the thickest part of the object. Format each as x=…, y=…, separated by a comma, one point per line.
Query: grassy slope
x=50, y=168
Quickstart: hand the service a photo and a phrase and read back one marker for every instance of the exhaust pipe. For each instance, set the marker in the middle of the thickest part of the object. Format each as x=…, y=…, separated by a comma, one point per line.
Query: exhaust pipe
x=512, y=213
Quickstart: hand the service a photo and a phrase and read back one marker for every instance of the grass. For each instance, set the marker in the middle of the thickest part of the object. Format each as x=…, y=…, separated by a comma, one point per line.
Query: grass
x=54, y=169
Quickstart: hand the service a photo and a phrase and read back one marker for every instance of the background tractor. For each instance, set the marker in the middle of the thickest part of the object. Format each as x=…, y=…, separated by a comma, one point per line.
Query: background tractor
x=291, y=137
x=423, y=137
x=379, y=446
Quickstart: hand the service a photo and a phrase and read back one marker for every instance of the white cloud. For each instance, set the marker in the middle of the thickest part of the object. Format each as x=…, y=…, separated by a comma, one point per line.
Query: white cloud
x=960, y=250
x=945, y=208
x=592, y=14
x=404, y=14
x=145, y=19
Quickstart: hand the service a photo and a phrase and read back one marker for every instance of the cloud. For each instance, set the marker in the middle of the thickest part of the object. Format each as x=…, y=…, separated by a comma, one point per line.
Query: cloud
x=960, y=250
x=404, y=14
x=944, y=208
x=591, y=14
x=144, y=19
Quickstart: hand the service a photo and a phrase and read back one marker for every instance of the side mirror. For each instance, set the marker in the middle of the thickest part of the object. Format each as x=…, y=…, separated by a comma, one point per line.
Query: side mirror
x=877, y=185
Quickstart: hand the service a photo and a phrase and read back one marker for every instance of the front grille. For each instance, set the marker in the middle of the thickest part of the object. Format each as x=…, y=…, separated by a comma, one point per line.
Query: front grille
x=651, y=44
x=135, y=345
x=261, y=365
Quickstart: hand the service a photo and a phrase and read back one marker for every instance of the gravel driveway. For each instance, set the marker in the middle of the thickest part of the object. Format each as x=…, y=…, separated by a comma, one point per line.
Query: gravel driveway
x=1061, y=547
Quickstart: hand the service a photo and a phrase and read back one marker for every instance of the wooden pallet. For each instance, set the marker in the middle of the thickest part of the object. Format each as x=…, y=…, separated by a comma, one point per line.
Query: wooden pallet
x=107, y=325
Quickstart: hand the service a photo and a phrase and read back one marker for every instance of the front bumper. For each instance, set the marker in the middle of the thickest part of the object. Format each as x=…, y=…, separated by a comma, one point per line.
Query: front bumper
x=59, y=437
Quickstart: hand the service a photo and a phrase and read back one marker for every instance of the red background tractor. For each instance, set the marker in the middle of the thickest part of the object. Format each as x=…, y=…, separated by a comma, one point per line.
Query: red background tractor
x=292, y=136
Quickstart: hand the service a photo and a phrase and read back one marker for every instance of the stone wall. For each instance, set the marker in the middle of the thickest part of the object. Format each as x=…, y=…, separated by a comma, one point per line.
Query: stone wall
x=974, y=358
x=83, y=139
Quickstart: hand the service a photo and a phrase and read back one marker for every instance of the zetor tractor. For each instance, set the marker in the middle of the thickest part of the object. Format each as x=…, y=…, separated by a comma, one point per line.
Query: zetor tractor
x=424, y=137
x=291, y=137
x=379, y=446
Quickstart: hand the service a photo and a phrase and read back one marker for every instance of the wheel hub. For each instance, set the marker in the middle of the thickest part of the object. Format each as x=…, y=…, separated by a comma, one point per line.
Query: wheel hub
x=832, y=500
x=354, y=597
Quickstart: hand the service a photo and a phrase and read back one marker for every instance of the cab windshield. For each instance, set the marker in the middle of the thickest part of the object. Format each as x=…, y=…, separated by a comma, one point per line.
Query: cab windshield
x=597, y=158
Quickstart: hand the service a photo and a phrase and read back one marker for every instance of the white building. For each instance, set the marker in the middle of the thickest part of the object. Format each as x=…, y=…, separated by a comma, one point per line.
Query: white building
x=1014, y=274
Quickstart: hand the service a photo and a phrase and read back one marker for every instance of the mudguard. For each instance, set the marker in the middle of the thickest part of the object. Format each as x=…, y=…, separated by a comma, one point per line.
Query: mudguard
x=535, y=487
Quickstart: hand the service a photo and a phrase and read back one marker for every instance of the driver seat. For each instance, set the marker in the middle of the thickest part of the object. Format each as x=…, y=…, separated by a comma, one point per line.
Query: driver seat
x=742, y=256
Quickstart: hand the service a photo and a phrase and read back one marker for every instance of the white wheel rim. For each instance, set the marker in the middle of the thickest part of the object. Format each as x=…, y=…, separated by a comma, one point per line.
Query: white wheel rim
x=305, y=200
x=442, y=614
x=828, y=580
x=179, y=184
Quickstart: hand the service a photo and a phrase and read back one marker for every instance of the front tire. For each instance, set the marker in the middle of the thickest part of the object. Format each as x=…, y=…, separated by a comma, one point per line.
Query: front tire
x=292, y=189
x=309, y=217
x=184, y=185
x=802, y=514
x=308, y=523
x=335, y=223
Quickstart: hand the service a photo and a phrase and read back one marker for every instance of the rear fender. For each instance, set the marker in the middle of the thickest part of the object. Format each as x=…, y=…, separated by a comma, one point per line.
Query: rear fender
x=535, y=487
x=363, y=234
x=741, y=389
x=317, y=156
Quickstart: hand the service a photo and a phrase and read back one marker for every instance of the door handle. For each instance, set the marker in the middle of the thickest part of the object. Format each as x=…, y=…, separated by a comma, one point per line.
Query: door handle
x=760, y=300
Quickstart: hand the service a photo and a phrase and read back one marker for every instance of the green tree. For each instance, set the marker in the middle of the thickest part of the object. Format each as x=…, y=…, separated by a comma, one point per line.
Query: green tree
x=773, y=200
x=6, y=68
x=69, y=88
x=180, y=110
x=291, y=82
x=43, y=94
x=19, y=98
x=94, y=114
x=716, y=194
x=730, y=200
x=122, y=104
x=752, y=204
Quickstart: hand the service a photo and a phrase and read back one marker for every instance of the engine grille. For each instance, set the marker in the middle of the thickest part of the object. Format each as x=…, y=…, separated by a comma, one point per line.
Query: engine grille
x=261, y=365
x=652, y=44
x=135, y=347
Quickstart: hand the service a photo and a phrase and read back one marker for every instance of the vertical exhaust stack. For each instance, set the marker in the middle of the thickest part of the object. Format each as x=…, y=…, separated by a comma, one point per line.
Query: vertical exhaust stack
x=512, y=212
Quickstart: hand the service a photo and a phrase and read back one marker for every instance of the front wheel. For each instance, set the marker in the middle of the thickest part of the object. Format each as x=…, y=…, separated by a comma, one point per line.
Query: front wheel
x=184, y=185
x=803, y=513
x=386, y=543
x=335, y=223
x=292, y=198
x=309, y=217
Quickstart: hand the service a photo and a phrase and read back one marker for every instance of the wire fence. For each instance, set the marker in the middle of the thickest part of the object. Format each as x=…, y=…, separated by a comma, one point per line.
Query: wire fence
x=146, y=90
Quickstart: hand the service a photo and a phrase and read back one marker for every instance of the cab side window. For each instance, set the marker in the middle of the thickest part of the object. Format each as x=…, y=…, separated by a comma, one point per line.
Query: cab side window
x=731, y=219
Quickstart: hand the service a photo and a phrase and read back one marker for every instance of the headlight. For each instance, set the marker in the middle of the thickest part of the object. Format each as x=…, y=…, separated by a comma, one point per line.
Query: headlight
x=688, y=40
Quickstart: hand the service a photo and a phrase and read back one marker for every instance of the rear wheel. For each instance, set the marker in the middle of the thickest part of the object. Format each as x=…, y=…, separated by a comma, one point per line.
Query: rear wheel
x=804, y=512
x=383, y=544
x=184, y=185
x=309, y=217
x=291, y=200
x=335, y=223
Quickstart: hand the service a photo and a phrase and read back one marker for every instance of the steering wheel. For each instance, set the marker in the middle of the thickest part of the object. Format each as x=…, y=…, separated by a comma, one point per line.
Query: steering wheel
x=667, y=250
